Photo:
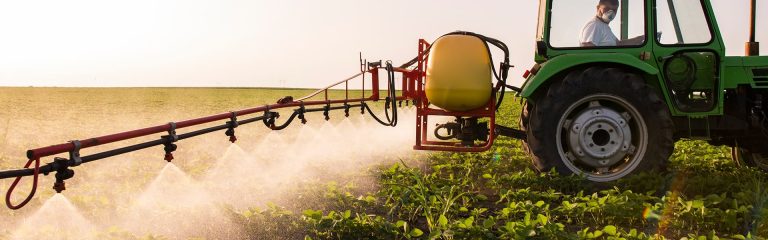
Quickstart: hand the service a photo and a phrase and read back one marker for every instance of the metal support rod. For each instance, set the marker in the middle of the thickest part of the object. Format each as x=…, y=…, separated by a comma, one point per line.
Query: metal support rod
x=624, y=19
x=753, y=19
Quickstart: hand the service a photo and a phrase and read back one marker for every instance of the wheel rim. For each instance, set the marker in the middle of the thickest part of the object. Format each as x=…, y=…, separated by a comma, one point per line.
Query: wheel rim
x=602, y=137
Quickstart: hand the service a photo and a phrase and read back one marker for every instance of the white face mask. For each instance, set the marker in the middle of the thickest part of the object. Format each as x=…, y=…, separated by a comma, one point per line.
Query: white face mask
x=608, y=16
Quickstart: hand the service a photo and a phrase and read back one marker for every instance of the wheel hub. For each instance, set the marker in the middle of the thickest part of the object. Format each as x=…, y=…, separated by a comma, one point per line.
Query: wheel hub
x=599, y=136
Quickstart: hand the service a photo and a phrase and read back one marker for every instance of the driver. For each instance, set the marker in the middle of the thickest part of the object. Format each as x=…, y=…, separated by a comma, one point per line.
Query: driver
x=597, y=32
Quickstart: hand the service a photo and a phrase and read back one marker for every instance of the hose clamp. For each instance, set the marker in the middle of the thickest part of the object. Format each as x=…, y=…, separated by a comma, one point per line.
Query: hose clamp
x=233, y=120
x=172, y=137
x=74, y=155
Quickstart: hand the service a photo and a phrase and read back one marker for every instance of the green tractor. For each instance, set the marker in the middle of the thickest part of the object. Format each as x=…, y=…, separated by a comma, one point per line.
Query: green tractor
x=605, y=106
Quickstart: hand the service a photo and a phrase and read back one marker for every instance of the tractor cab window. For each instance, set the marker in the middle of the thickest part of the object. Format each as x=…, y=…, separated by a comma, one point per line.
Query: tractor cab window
x=682, y=22
x=596, y=23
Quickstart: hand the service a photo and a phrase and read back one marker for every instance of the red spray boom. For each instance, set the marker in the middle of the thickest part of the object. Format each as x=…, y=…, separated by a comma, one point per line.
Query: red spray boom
x=466, y=129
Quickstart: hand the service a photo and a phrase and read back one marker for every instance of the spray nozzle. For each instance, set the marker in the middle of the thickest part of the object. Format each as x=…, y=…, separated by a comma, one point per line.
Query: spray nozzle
x=346, y=110
x=301, y=114
x=232, y=125
x=62, y=173
x=170, y=147
x=326, y=110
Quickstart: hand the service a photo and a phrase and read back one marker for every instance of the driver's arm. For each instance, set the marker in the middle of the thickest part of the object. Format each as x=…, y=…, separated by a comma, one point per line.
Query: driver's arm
x=632, y=41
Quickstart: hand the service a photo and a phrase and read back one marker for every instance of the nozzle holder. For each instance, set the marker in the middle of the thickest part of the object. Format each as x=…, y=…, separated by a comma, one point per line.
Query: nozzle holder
x=326, y=111
x=346, y=109
x=301, y=112
x=269, y=119
x=170, y=139
x=232, y=123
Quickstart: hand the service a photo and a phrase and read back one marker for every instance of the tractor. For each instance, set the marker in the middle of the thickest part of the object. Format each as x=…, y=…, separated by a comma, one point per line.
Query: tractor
x=595, y=104
x=605, y=112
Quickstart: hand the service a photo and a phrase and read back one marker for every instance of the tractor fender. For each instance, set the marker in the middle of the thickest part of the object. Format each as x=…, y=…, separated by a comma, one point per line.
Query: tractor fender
x=566, y=62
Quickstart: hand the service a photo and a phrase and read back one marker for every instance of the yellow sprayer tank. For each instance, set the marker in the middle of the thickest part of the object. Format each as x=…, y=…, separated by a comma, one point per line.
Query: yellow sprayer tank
x=459, y=73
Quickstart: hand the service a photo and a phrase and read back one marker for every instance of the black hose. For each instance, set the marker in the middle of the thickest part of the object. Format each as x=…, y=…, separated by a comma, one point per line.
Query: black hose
x=390, y=106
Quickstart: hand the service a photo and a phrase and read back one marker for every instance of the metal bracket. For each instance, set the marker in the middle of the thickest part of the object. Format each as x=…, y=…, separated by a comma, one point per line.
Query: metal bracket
x=74, y=155
x=269, y=118
x=172, y=137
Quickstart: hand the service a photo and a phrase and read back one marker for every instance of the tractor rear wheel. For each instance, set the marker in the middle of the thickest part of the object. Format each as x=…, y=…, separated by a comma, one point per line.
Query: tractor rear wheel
x=600, y=123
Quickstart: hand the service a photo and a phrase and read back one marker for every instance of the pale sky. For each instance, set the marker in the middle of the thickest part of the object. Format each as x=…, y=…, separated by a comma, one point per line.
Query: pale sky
x=254, y=43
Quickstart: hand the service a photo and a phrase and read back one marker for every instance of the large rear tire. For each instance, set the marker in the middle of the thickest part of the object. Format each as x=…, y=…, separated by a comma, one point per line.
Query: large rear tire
x=601, y=123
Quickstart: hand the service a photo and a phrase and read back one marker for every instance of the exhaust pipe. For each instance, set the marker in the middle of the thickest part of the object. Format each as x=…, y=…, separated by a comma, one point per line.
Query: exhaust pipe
x=752, y=47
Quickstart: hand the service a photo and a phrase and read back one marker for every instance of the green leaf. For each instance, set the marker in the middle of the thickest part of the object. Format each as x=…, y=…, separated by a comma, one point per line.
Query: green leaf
x=435, y=234
x=416, y=232
x=488, y=223
x=542, y=219
x=443, y=221
x=697, y=204
x=487, y=176
x=610, y=230
x=347, y=214
x=469, y=221
x=313, y=214
x=400, y=223
x=740, y=237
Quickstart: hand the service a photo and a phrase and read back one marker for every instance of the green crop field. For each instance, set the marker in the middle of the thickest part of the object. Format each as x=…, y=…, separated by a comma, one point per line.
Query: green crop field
x=402, y=195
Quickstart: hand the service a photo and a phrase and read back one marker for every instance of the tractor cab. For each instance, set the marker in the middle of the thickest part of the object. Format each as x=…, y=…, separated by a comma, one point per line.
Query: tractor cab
x=679, y=40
